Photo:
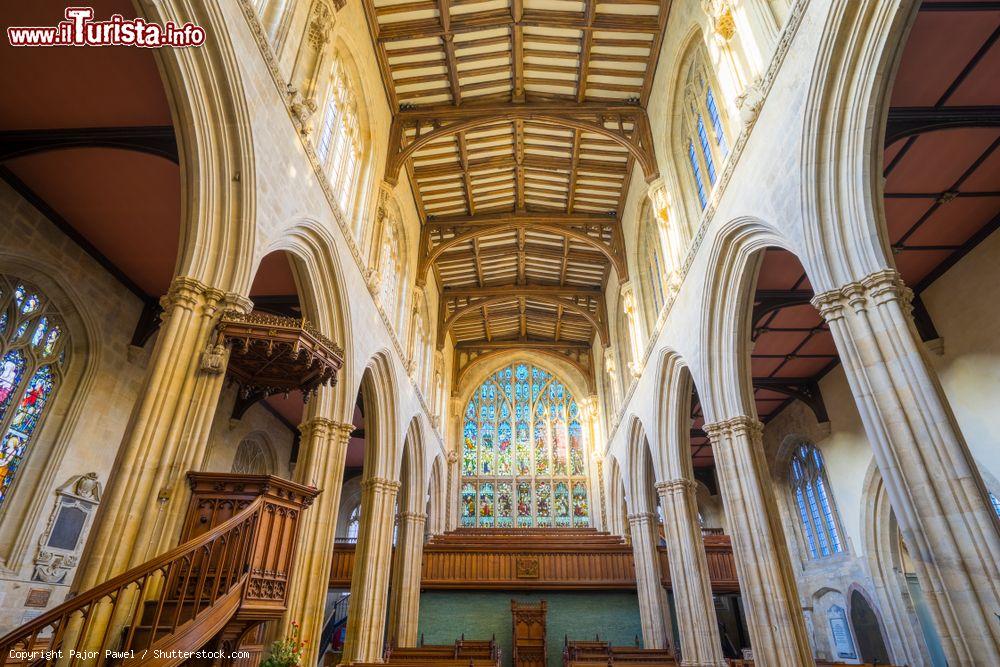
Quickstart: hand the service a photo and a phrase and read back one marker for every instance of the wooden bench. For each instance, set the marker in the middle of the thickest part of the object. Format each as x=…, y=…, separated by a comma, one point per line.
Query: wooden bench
x=597, y=653
x=463, y=653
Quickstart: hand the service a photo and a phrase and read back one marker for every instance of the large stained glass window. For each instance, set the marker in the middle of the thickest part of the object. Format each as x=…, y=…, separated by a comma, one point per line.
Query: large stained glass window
x=524, y=461
x=32, y=354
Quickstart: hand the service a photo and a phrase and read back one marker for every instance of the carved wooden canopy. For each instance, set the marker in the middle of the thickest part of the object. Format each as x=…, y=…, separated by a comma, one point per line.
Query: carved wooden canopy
x=276, y=355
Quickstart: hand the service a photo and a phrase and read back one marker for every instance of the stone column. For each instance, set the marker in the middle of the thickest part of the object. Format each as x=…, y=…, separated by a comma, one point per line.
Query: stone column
x=167, y=433
x=767, y=583
x=322, y=455
x=931, y=479
x=454, y=475
x=654, y=611
x=404, y=603
x=689, y=575
x=370, y=579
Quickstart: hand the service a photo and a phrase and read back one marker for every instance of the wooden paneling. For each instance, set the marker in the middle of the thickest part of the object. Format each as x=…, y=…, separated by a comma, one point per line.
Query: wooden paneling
x=540, y=560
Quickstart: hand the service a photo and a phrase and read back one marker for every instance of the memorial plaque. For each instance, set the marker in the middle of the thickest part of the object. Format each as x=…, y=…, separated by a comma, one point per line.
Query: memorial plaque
x=842, y=641
x=38, y=597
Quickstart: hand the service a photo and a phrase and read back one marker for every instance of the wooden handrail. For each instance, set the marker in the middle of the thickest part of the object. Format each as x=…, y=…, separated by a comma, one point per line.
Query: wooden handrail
x=193, y=576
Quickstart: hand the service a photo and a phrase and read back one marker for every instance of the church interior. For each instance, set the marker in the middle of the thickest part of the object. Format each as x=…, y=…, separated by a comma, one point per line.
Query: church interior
x=503, y=333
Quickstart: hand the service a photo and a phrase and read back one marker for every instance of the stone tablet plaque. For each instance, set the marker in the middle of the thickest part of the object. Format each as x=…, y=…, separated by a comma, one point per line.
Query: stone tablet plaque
x=38, y=597
x=843, y=643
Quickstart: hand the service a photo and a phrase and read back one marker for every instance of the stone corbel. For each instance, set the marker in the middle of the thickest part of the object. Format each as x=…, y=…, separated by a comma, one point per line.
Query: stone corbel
x=302, y=110
x=214, y=359
x=657, y=195
x=750, y=101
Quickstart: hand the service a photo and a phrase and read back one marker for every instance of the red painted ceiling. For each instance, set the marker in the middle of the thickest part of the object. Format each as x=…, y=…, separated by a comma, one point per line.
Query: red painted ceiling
x=941, y=66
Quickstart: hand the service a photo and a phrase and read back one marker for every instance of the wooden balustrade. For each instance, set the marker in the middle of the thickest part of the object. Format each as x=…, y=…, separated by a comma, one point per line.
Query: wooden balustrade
x=228, y=575
x=539, y=559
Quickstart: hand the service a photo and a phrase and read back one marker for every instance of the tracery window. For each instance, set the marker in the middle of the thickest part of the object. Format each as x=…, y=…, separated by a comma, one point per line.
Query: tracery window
x=339, y=146
x=32, y=357
x=809, y=490
x=704, y=133
x=353, y=522
x=252, y=458
x=995, y=502
x=653, y=267
x=524, y=463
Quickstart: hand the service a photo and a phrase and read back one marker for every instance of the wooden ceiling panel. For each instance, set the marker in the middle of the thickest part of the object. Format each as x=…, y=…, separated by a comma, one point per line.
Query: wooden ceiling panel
x=519, y=122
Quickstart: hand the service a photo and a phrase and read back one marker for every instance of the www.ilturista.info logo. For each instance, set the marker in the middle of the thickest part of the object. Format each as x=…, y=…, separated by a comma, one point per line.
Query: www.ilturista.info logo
x=80, y=29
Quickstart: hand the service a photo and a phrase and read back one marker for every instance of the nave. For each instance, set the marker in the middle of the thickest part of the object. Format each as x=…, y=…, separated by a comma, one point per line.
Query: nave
x=508, y=333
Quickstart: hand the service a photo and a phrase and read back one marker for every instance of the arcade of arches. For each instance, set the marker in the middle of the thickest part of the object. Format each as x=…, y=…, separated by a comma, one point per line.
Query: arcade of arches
x=511, y=331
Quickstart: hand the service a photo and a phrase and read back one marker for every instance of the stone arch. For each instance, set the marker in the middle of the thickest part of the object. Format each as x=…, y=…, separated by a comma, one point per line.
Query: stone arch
x=412, y=477
x=727, y=301
x=882, y=549
x=215, y=148
x=616, y=498
x=842, y=139
x=674, y=388
x=379, y=390
x=641, y=470
x=319, y=283
x=23, y=512
x=871, y=648
x=437, y=496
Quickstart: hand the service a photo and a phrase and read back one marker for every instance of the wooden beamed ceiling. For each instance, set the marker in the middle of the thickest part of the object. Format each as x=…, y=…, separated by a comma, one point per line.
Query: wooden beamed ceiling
x=519, y=123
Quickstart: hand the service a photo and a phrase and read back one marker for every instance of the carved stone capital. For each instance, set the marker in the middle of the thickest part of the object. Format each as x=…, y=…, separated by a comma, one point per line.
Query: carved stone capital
x=380, y=485
x=637, y=518
x=671, y=487
x=412, y=517
x=874, y=289
x=741, y=425
x=184, y=292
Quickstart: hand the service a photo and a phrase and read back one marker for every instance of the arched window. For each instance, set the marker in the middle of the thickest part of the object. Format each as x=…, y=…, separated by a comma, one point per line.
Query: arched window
x=390, y=267
x=653, y=267
x=339, y=145
x=32, y=356
x=996, y=503
x=253, y=458
x=704, y=134
x=809, y=490
x=523, y=458
x=353, y=522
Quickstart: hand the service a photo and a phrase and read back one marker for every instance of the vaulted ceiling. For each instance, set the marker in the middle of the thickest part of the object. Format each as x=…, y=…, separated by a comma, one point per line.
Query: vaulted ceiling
x=518, y=123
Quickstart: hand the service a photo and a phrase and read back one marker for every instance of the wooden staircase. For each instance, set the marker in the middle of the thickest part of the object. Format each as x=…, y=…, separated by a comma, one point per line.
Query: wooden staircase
x=211, y=593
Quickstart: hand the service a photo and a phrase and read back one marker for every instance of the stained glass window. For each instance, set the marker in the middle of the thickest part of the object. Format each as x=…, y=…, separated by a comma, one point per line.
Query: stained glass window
x=808, y=483
x=995, y=502
x=30, y=371
x=524, y=455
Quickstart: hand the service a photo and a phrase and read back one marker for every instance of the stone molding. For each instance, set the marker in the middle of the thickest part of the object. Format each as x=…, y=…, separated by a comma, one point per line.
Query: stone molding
x=740, y=425
x=638, y=517
x=675, y=486
x=380, y=484
x=874, y=289
x=414, y=517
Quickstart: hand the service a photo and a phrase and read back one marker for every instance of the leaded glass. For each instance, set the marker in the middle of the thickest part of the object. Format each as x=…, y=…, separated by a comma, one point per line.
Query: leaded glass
x=808, y=482
x=995, y=502
x=524, y=452
x=706, y=151
x=524, y=513
x=543, y=504
x=505, y=505
x=561, y=503
x=713, y=114
x=28, y=374
x=581, y=511
x=486, y=504
x=696, y=172
x=468, y=505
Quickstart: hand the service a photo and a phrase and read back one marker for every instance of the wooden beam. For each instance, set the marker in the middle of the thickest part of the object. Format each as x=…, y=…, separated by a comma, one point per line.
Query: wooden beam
x=908, y=121
x=522, y=343
x=156, y=140
x=519, y=218
x=529, y=291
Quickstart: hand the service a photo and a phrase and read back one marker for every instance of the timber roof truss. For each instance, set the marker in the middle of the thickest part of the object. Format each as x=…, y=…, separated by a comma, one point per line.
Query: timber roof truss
x=519, y=123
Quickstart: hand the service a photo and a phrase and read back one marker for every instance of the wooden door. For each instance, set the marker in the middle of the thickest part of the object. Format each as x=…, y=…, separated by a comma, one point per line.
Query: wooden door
x=529, y=633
